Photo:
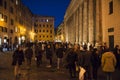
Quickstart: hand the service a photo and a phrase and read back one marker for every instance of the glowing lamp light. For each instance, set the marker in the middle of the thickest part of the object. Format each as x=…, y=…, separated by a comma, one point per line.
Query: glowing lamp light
x=1, y=19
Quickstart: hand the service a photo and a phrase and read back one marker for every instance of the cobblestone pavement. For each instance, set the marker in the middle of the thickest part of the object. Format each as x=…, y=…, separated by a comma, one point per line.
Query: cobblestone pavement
x=41, y=73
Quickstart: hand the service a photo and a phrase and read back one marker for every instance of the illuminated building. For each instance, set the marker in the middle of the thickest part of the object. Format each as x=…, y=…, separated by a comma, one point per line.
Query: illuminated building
x=60, y=33
x=43, y=28
x=15, y=22
x=82, y=22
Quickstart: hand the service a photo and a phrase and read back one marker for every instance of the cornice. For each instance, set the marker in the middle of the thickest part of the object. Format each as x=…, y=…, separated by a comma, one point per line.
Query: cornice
x=73, y=6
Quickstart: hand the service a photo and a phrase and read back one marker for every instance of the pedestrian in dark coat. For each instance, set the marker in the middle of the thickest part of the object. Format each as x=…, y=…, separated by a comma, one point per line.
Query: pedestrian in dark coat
x=95, y=58
x=72, y=59
x=38, y=55
x=18, y=59
x=117, y=55
x=28, y=56
x=59, y=53
x=49, y=54
x=87, y=63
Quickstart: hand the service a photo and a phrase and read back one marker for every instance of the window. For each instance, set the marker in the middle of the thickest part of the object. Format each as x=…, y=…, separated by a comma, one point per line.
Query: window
x=16, y=29
x=36, y=31
x=35, y=25
x=11, y=31
x=1, y=16
x=39, y=30
x=47, y=26
x=11, y=10
x=5, y=4
x=111, y=30
x=43, y=25
x=50, y=31
x=12, y=22
x=47, y=20
x=51, y=36
x=1, y=2
x=0, y=28
x=5, y=18
x=111, y=7
x=50, y=25
x=40, y=25
x=43, y=30
x=16, y=2
x=4, y=29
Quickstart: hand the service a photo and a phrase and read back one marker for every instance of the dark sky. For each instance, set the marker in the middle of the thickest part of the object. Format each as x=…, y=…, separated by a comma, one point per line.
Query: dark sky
x=54, y=8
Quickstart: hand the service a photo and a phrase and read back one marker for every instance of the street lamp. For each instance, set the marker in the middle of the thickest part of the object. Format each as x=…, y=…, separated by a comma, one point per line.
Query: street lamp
x=2, y=19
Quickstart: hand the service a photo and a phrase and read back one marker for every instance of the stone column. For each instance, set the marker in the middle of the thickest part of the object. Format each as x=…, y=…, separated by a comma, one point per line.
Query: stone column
x=66, y=31
x=94, y=22
x=77, y=26
x=98, y=22
x=85, y=22
x=81, y=22
x=91, y=21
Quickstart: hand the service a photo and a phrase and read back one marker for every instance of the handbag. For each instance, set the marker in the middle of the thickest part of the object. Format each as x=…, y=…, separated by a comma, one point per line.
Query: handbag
x=81, y=73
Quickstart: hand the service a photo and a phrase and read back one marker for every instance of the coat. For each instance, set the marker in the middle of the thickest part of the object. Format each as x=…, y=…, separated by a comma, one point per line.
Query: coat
x=71, y=58
x=49, y=53
x=59, y=52
x=28, y=53
x=108, y=62
x=18, y=57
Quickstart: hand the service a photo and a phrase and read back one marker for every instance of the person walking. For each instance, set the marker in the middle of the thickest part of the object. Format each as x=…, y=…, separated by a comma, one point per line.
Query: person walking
x=38, y=55
x=72, y=59
x=49, y=54
x=108, y=63
x=95, y=58
x=117, y=55
x=86, y=64
x=59, y=53
x=28, y=56
x=18, y=59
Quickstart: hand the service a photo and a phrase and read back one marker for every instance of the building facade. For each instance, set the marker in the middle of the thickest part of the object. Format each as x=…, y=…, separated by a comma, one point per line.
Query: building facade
x=83, y=22
x=15, y=22
x=111, y=22
x=43, y=28
x=60, y=33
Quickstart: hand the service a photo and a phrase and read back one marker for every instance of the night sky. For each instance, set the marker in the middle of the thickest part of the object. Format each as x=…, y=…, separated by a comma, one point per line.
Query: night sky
x=55, y=8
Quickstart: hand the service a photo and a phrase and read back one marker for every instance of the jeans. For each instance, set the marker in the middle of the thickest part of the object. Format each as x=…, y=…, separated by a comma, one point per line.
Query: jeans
x=109, y=75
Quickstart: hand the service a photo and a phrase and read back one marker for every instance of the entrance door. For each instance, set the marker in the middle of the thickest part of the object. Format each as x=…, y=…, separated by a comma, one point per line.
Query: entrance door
x=111, y=42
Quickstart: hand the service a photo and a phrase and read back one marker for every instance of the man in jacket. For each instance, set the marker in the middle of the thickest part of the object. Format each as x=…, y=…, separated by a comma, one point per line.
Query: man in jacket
x=28, y=56
x=72, y=58
x=59, y=54
x=18, y=59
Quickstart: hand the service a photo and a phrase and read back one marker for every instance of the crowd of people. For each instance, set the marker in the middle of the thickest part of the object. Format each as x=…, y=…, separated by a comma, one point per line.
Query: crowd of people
x=72, y=56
